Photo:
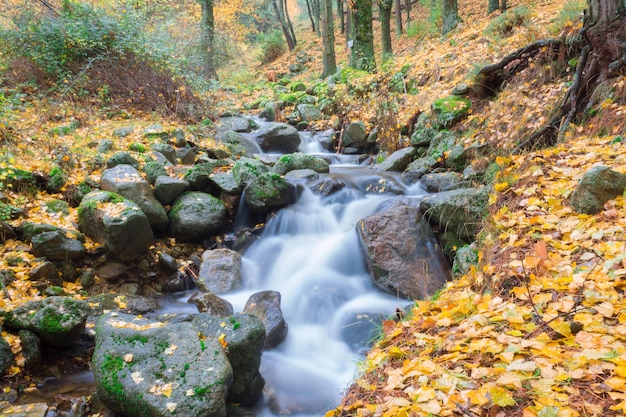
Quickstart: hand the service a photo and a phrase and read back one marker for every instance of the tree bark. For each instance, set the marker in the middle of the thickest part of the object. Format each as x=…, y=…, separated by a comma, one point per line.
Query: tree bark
x=398, y=8
x=316, y=13
x=407, y=6
x=207, y=29
x=384, y=6
x=289, y=25
x=342, y=18
x=503, y=6
x=493, y=6
x=308, y=8
x=291, y=42
x=362, y=54
x=328, y=38
x=450, y=15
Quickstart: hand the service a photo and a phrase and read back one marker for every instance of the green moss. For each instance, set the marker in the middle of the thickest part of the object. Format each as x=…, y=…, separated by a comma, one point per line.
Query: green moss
x=111, y=367
x=52, y=321
x=137, y=147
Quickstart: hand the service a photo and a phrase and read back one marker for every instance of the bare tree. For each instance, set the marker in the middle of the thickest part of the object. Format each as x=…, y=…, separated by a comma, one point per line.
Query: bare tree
x=328, y=39
x=207, y=30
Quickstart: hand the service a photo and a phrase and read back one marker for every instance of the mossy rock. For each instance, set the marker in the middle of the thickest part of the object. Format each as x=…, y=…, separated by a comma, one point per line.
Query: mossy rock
x=56, y=180
x=247, y=169
x=299, y=160
x=450, y=110
x=16, y=178
x=269, y=191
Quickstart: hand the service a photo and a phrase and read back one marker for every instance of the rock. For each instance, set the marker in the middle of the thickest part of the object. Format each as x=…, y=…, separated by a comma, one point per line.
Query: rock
x=31, y=349
x=402, y=253
x=442, y=143
x=245, y=336
x=26, y=410
x=328, y=186
x=298, y=175
x=105, y=146
x=112, y=270
x=27, y=230
x=195, y=216
x=442, y=181
x=154, y=170
x=423, y=137
x=128, y=182
x=397, y=161
x=199, y=175
x=6, y=356
x=56, y=246
x=234, y=123
x=212, y=304
x=450, y=110
x=460, y=90
x=458, y=211
x=148, y=368
x=110, y=219
x=269, y=111
x=226, y=183
x=166, y=150
x=265, y=305
x=155, y=131
x=124, y=303
x=122, y=132
x=6, y=232
x=597, y=186
x=418, y=168
x=278, y=137
x=220, y=271
x=247, y=169
x=269, y=191
x=354, y=136
x=300, y=160
x=57, y=321
x=464, y=258
x=45, y=271
x=238, y=144
x=167, y=189
x=122, y=158
x=56, y=180
x=186, y=156
x=309, y=112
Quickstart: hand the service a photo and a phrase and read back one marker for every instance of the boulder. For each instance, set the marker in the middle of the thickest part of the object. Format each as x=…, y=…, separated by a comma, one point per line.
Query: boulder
x=195, y=216
x=247, y=169
x=212, y=304
x=110, y=219
x=56, y=246
x=278, y=137
x=265, y=305
x=597, y=186
x=128, y=182
x=31, y=349
x=450, y=110
x=237, y=144
x=464, y=258
x=269, y=191
x=166, y=150
x=57, y=321
x=122, y=158
x=354, y=136
x=418, y=168
x=442, y=181
x=220, y=271
x=308, y=112
x=153, y=170
x=226, y=183
x=300, y=160
x=167, y=189
x=457, y=211
x=234, y=123
x=402, y=253
x=199, y=175
x=244, y=336
x=45, y=271
x=397, y=161
x=150, y=368
x=6, y=356
x=27, y=230
x=460, y=156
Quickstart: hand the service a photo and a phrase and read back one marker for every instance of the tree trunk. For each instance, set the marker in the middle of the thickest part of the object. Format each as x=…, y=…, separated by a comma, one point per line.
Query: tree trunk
x=291, y=42
x=384, y=6
x=316, y=13
x=348, y=26
x=503, y=6
x=328, y=38
x=407, y=6
x=449, y=15
x=289, y=25
x=362, y=54
x=308, y=8
x=493, y=6
x=342, y=18
x=398, y=17
x=207, y=29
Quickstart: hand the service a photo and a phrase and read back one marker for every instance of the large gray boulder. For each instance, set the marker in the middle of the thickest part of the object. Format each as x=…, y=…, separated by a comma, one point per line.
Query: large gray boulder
x=457, y=211
x=220, y=271
x=207, y=302
x=298, y=160
x=237, y=144
x=418, y=168
x=443, y=181
x=309, y=112
x=402, y=253
x=269, y=191
x=244, y=336
x=397, y=161
x=167, y=189
x=56, y=246
x=265, y=305
x=354, y=136
x=112, y=220
x=597, y=186
x=57, y=321
x=6, y=355
x=278, y=137
x=195, y=216
x=148, y=368
x=247, y=169
x=199, y=175
x=234, y=123
x=128, y=182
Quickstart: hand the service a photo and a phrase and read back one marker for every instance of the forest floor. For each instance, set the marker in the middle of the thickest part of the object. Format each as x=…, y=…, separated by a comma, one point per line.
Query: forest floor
x=538, y=327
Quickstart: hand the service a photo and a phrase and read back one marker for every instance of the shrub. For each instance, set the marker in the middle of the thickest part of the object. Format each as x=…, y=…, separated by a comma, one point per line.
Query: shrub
x=272, y=47
x=572, y=11
x=503, y=25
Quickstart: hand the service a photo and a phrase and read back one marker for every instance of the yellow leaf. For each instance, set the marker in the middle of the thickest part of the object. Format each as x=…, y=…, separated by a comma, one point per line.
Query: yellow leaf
x=136, y=376
x=501, y=397
x=222, y=341
x=424, y=394
x=170, y=407
x=561, y=327
x=128, y=357
x=170, y=350
x=478, y=397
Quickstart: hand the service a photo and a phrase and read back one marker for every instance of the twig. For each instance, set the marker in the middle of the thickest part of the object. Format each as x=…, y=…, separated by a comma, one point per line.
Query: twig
x=464, y=410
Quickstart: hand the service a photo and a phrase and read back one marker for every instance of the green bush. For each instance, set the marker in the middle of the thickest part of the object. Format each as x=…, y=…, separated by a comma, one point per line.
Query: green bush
x=272, y=47
x=62, y=45
x=572, y=11
x=503, y=25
